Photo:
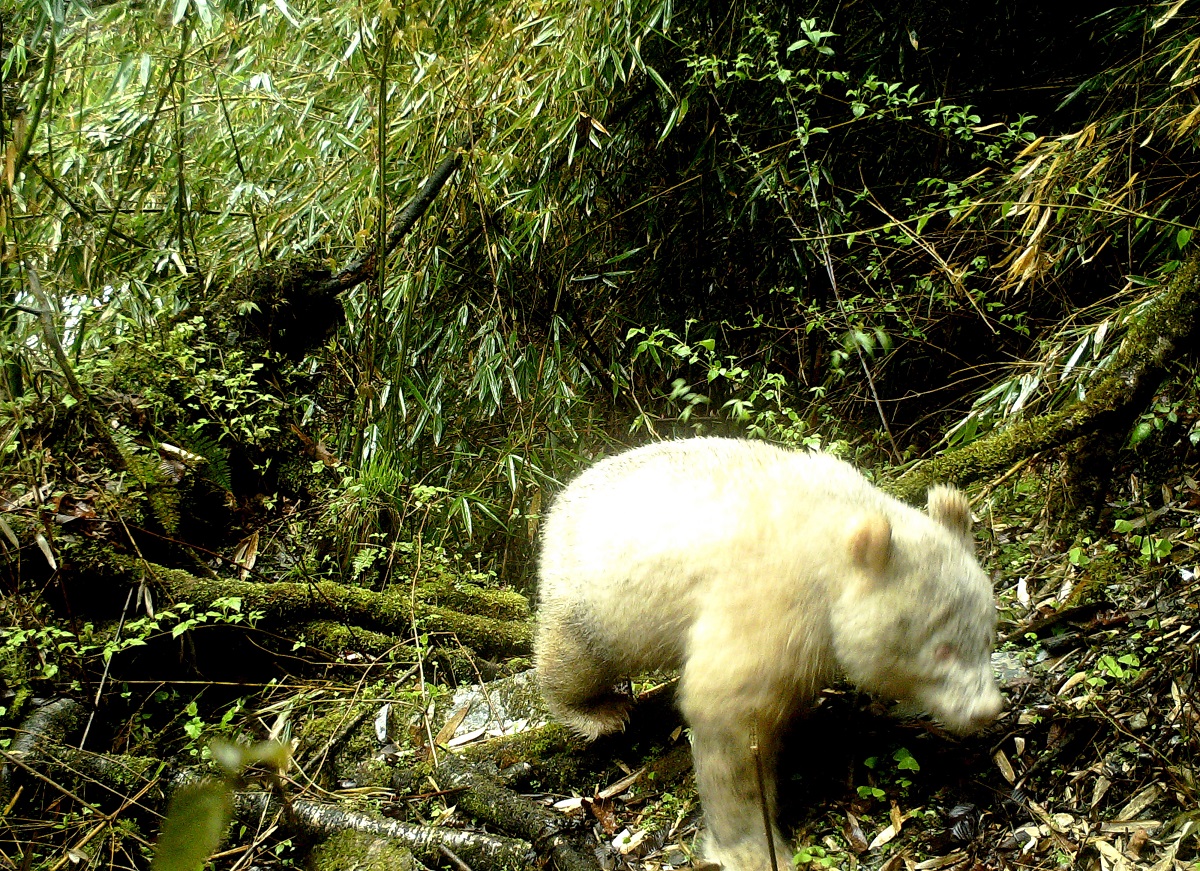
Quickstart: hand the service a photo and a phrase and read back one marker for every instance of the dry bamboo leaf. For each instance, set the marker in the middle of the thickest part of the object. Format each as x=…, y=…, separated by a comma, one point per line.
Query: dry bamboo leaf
x=1110, y=856
x=186, y=456
x=1025, y=265
x=1136, y=843
x=625, y=843
x=451, y=725
x=940, y=862
x=246, y=555
x=1167, y=861
x=1031, y=148
x=1185, y=124
x=8, y=533
x=1005, y=766
x=1072, y=682
x=1098, y=167
x=855, y=837
x=1131, y=826
x=621, y=785
x=467, y=737
x=1082, y=138
x=44, y=547
x=883, y=837
x=1184, y=56
x=382, y=721
x=1140, y=802
x=604, y=813
x=1050, y=178
x=1033, y=164
x=1169, y=14
x=1041, y=225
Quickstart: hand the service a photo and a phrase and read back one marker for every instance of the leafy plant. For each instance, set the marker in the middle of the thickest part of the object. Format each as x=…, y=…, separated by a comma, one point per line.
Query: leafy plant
x=1150, y=548
x=814, y=855
x=1124, y=669
x=904, y=762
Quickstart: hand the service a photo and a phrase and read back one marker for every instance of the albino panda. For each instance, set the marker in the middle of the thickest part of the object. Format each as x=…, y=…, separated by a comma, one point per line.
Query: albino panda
x=763, y=574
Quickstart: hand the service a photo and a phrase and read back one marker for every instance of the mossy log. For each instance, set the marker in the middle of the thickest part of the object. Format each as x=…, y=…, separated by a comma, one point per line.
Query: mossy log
x=359, y=851
x=399, y=611
x=479, y=850
x=395, y=611
x=124, y=776
x=1168, y=327
x=559, y=760
x=47, y=726
x=486, y=798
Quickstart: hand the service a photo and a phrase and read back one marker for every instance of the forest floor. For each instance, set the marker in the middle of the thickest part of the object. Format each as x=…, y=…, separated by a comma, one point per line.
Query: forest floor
x=1092, y=765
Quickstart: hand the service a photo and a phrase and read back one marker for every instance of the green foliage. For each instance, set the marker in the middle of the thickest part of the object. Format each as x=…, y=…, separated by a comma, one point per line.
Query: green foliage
x=43, y=650
x=1122, y=669
x=814, y=855
x=219, y=387
x=825, y=230
x=195, y=825
x=904, y=762
x=199, y=813
x=181, y=618
x=756, y=400
x=213, y=457
x=871, y=792
x=47, y=652
x=1082, y=555
x=1150, y=548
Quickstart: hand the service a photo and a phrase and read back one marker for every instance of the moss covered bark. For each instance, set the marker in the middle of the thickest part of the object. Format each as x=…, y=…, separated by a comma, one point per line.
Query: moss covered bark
x=400, y=612
x=1168, y=328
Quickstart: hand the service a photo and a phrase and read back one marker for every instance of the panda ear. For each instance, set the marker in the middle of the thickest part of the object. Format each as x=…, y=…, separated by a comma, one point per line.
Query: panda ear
x=871, y=543
x=949, y=507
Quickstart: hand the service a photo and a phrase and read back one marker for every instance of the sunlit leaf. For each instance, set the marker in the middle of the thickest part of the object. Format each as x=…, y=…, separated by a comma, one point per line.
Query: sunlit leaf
x=196, y=821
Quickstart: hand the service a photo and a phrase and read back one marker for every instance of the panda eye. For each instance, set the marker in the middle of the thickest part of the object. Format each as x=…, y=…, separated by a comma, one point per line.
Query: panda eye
x=944, y=652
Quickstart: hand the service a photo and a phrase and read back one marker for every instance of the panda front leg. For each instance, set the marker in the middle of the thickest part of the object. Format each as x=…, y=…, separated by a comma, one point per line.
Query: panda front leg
x=735, y=724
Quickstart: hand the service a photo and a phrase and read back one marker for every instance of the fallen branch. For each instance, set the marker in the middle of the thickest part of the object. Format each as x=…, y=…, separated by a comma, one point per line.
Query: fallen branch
x=1168, y=327
x=479, y=850
x=396, y=611
x=47, y=726
x=364, y=267
x=485, y=798
x=126, y=775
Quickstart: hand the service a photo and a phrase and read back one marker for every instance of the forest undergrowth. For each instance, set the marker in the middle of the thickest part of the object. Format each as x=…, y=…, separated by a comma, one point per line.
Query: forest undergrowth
x=307, y=314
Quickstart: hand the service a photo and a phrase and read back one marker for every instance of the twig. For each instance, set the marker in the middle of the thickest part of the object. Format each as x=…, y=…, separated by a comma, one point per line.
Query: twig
x=364, y=267
x=104, y=675
x=39, y=102
x=46, y=315
x=1166, y=331
x=828, y=260
x=50, y=334
x=237, y=155
x=83, y=211
x=14, y=759
x=452, y=858
x=762, y=798
x=952, y=275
